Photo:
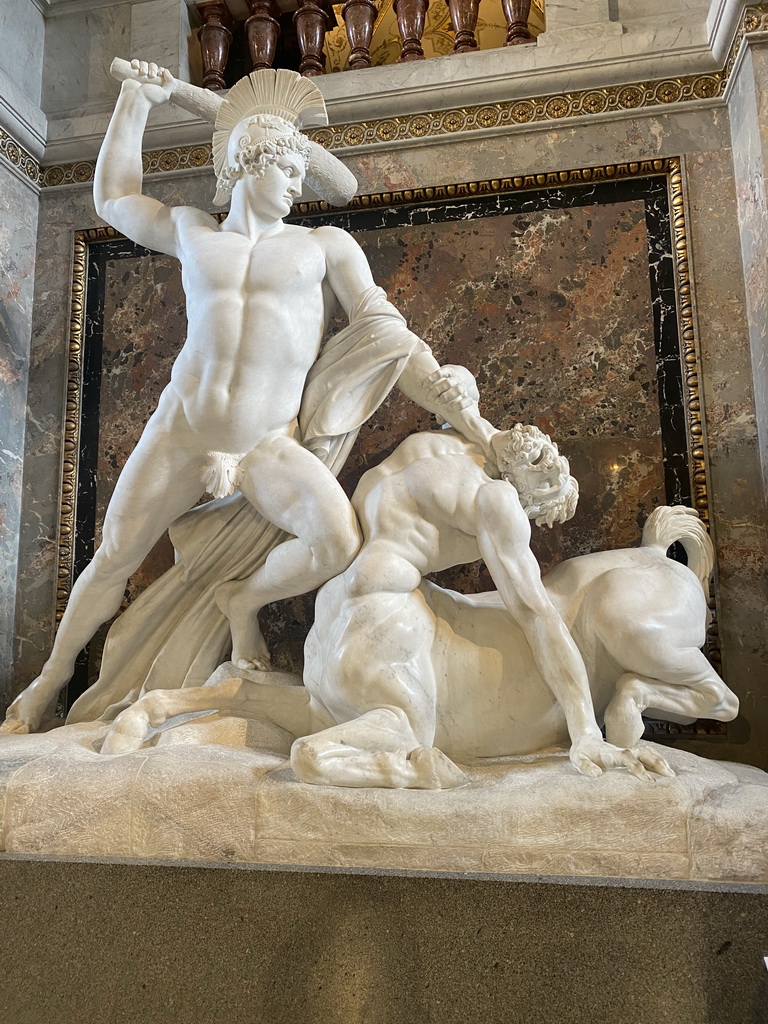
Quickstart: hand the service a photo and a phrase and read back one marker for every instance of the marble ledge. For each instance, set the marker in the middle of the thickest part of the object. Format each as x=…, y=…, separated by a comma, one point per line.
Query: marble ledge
x=457, y=80
x=24, y=122
x=222, y=790
x=662, y=143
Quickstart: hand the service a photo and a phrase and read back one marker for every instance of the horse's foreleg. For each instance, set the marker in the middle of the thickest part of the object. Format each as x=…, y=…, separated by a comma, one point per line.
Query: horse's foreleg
x=378, y=749
x=285, y=706
x=684, y=683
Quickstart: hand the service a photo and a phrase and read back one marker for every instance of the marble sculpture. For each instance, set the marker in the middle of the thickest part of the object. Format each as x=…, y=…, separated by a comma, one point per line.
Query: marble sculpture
x=400, y=677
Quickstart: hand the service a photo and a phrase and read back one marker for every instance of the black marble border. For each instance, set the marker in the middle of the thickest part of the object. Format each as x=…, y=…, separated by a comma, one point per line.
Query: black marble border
x=651, y=189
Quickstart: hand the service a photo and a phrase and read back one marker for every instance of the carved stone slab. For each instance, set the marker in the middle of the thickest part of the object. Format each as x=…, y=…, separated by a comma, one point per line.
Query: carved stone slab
x=226, y=801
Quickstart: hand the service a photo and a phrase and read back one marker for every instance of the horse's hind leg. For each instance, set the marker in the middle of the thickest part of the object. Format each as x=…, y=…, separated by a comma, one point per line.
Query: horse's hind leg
x=687, y=686
x=378, y=749
x=285, y=706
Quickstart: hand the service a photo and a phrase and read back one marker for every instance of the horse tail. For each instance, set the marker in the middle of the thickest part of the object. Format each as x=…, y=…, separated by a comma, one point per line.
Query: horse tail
x=668, y=524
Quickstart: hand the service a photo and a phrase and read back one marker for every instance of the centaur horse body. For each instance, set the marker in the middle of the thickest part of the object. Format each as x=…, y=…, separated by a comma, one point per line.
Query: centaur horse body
x=402, y=678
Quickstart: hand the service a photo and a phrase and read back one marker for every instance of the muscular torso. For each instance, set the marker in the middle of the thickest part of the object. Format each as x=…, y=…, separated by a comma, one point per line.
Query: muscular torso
x=420, y=504
x=257, y=314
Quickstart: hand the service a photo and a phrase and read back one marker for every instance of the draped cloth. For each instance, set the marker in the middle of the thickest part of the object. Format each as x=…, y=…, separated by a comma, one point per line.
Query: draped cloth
x=174, y=635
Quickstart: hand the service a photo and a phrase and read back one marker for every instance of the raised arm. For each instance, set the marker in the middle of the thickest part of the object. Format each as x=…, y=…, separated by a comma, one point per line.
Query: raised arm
x=503, y=533
x=119, y=176
x=423, y=380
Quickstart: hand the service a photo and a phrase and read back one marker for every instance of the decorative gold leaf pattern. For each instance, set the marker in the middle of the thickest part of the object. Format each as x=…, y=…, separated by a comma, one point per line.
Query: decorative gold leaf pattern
x=590, y=102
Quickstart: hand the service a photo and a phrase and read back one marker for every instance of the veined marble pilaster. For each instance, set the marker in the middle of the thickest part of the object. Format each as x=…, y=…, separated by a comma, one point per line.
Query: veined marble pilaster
x=748, y=106
x=18, y=225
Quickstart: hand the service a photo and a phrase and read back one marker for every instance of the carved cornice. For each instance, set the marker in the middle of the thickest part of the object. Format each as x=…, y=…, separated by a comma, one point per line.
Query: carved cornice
x=18, y=156
x=587, y=103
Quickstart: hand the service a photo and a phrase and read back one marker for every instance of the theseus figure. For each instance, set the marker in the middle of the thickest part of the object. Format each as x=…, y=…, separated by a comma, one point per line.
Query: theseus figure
x=259, y=296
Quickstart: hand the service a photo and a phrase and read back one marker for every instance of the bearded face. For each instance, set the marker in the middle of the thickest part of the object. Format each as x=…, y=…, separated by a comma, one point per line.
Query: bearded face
x=530, y=461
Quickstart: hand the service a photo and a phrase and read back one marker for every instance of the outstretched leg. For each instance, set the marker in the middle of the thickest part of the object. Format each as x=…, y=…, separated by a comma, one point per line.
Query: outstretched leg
x=294, y=490
x=288, y=707
x=160, y=481
x=378, y=749
x=686, y=685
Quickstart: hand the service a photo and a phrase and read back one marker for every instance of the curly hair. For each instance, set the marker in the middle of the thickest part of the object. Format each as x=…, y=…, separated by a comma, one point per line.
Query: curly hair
x=254, y=156
x=514, y=450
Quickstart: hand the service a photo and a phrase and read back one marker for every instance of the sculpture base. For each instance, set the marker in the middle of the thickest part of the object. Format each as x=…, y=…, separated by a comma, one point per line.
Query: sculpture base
x=203, y=793
x=160, y=944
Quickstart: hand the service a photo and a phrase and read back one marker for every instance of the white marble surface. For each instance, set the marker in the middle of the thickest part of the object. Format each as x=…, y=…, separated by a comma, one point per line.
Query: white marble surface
x=165, y=30
x=22, y=30
x=208, y=434
x=80, y=46
x=228, y=802
x=403, y=682
x=580, y=21
x=21, y=72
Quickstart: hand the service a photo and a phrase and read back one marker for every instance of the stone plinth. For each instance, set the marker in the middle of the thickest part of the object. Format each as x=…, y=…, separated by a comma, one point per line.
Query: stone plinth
x=220, y=802
x=161, y=944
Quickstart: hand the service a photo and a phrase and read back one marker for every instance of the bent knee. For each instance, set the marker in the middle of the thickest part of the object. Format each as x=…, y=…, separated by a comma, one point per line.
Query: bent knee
x=307, y=761
x=725, y=703
x=334, y=550
x=112, y=561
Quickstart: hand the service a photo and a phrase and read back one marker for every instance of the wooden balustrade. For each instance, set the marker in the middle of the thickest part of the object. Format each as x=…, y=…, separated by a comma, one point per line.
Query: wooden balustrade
x=215, y=40
x=517, y=13
x=313, y=18
x=262, y=30
x=464, y=19
x=411, y=15
x=359, y=17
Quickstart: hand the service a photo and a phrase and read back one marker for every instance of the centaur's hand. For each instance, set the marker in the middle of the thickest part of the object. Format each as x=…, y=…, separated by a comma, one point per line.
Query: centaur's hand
x=593, y=755
x=155, y=83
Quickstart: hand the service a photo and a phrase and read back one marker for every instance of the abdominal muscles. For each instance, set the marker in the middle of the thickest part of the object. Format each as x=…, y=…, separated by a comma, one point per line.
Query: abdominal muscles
x=244, y=378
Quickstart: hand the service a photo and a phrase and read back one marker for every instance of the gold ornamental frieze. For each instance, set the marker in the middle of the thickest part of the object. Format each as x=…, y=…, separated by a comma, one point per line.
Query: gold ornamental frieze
x=664, y=92
x=18, y=156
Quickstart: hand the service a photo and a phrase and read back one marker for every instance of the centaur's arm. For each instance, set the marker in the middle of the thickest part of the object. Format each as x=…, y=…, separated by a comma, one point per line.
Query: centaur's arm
x=503, y=533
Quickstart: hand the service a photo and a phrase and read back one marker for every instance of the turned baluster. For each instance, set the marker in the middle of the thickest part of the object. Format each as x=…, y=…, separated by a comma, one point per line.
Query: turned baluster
x=359, y=17
x=516, y=12
x=464, y=19
x=410, y=22
x=311, y=21
x=262, y=30
x=215, y=39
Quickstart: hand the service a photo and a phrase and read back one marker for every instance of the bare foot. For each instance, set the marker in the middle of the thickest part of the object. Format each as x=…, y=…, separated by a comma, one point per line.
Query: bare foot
x=30, y=708
x=249, y=651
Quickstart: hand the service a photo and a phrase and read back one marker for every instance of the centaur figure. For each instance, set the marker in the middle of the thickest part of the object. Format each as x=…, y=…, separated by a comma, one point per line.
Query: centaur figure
x=403, y=678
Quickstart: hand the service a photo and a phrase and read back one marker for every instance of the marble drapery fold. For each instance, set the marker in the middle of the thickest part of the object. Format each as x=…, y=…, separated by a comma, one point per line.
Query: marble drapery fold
x=174, y=635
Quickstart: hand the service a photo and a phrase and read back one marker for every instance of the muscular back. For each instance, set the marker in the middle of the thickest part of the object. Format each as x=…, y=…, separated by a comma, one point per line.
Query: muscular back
x=419, y=505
